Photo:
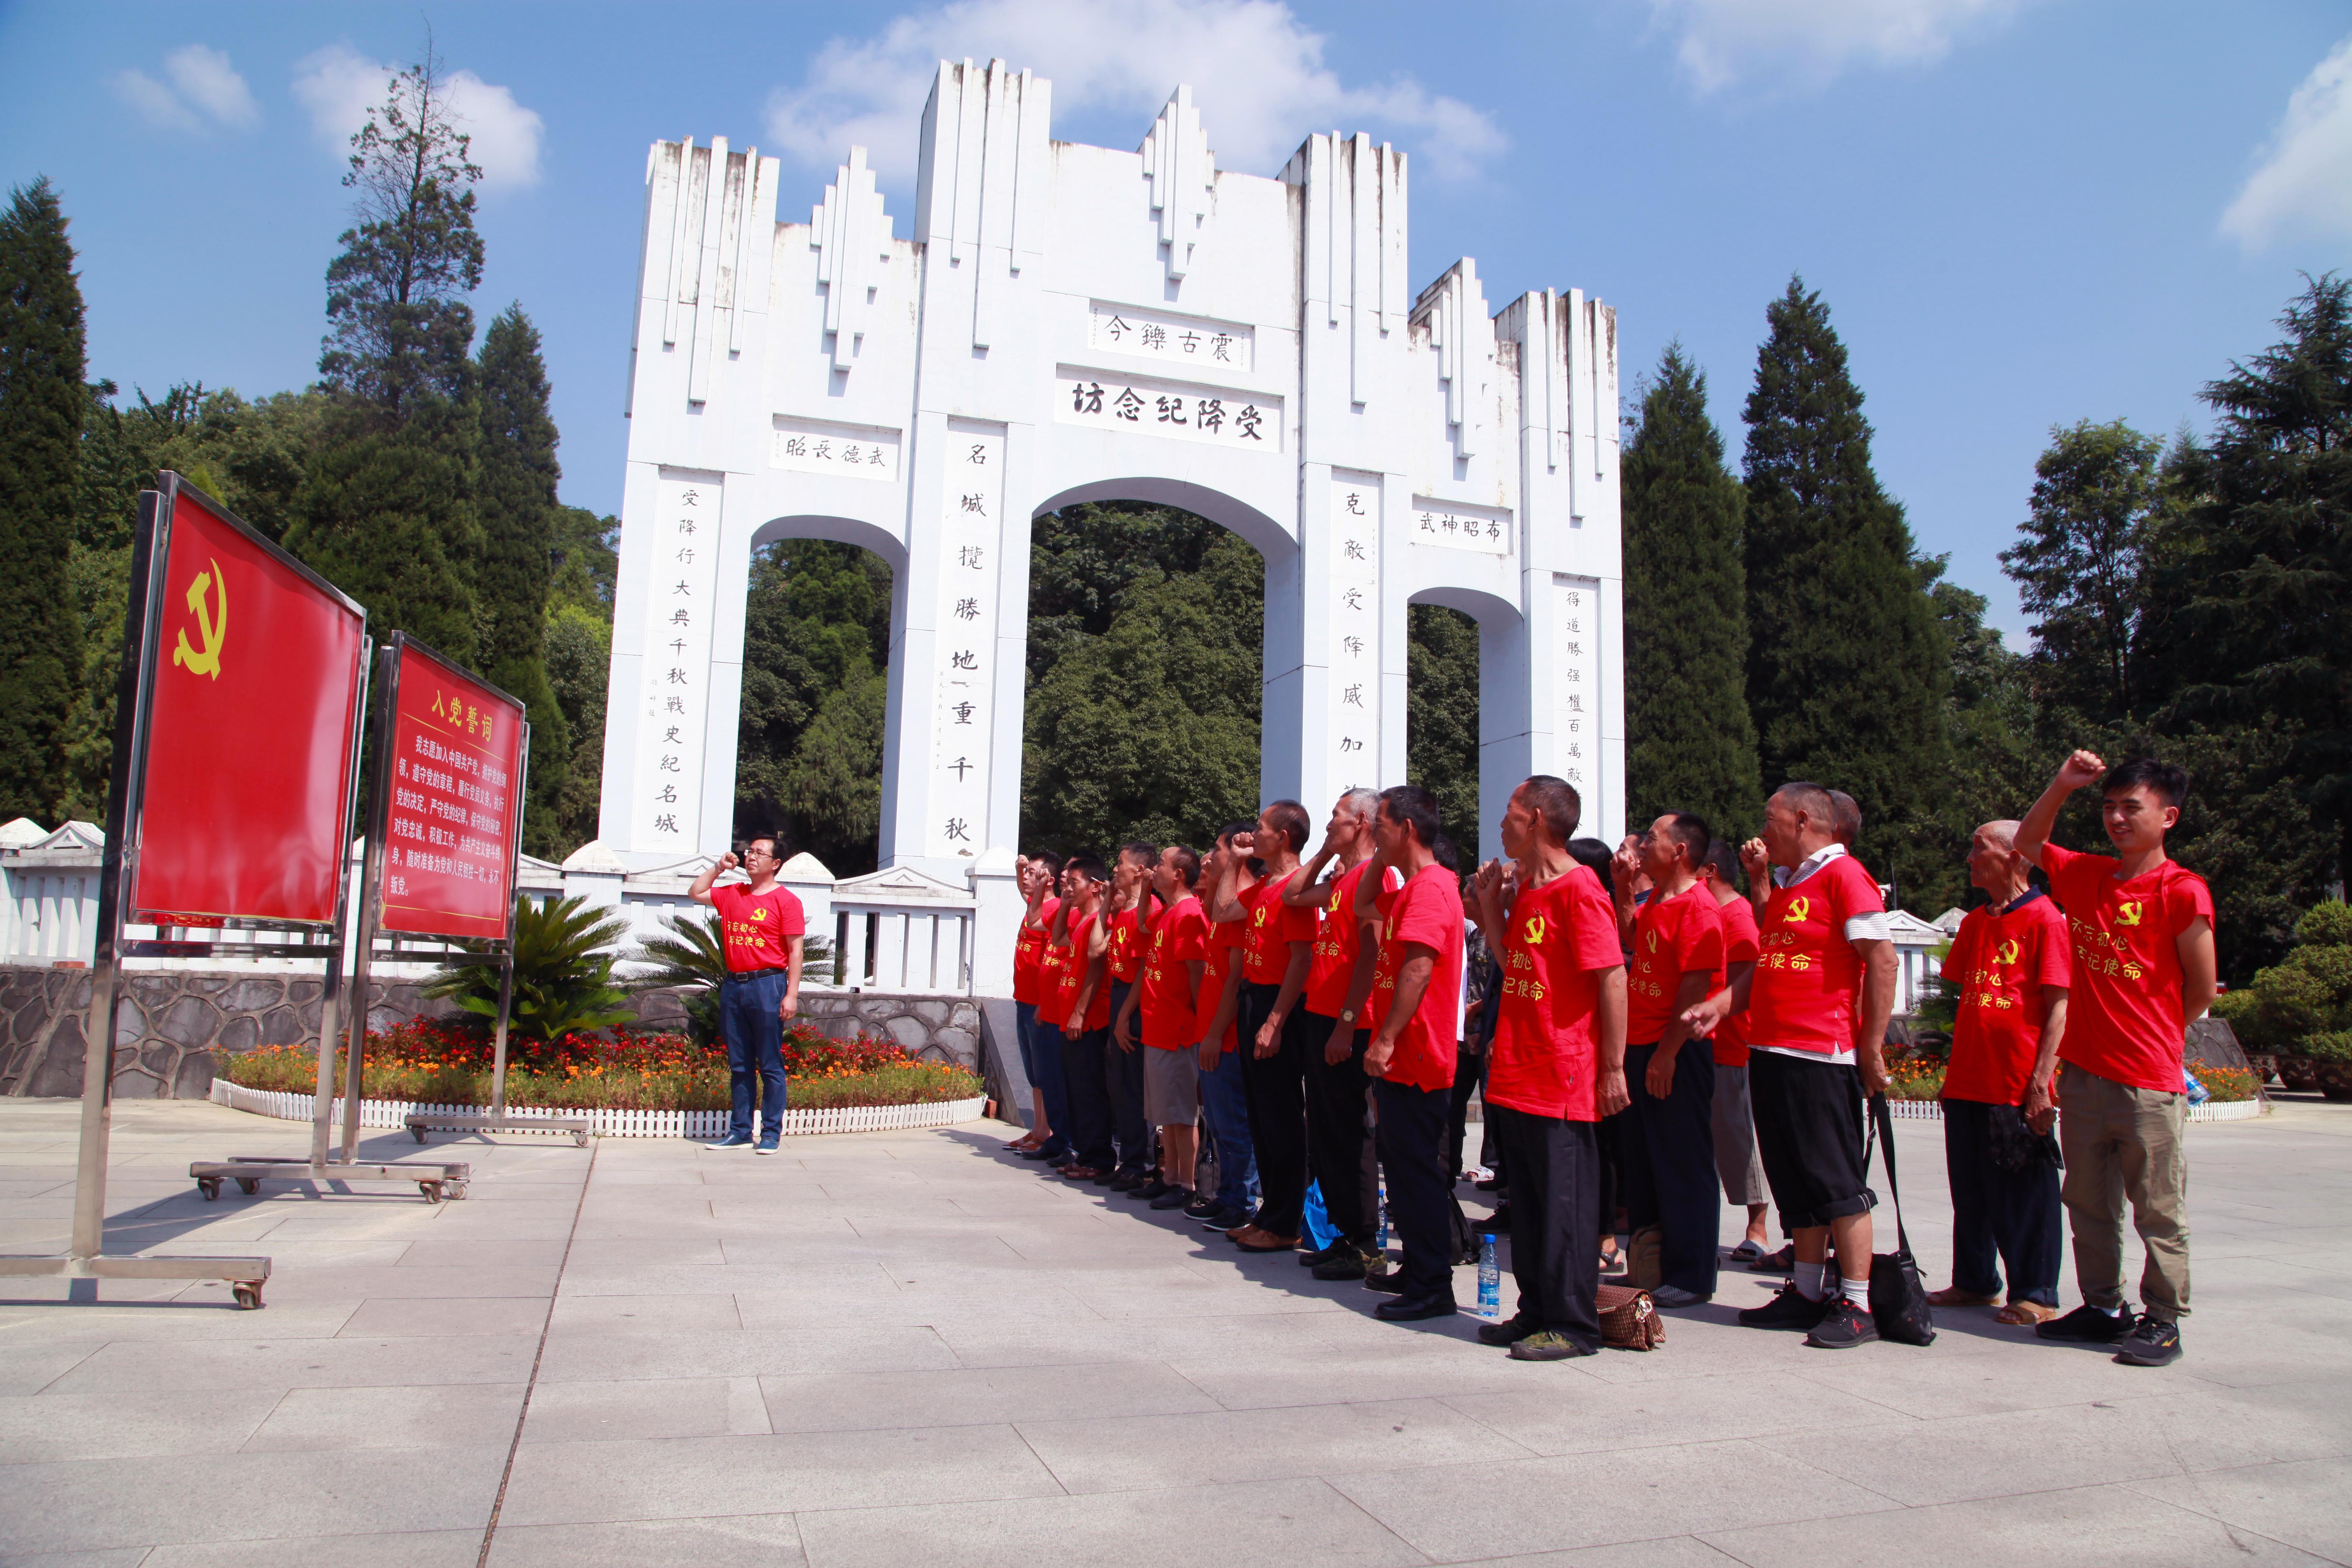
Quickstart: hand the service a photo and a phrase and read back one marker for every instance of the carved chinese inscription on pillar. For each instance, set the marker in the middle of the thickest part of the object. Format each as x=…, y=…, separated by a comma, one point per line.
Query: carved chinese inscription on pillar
x=963, y=680
x=1449, y=525
x=680, y=597
x=1176, y=411
x=1576, y=680
x=1355, y=620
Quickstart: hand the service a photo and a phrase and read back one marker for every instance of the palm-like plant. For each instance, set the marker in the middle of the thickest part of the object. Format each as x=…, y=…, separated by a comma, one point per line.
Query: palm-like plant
x=693, y=958
x=563, y=972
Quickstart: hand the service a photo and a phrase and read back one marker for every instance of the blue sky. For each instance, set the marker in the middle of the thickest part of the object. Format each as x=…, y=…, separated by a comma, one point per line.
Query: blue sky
x=2021, y=212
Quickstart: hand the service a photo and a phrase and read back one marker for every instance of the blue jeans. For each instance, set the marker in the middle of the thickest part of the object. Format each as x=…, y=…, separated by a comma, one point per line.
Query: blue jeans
x=754, y=1032
x=1224, y=1100
x=1045, y=1054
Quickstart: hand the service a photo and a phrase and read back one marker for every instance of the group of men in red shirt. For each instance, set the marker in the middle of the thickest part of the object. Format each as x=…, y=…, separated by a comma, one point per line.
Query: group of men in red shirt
x=1267, y=996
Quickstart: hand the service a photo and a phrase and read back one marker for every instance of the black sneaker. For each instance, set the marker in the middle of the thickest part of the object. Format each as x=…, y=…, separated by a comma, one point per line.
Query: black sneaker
x=2152, y=1343
x=1381, y=1275
x=1348, y=1261
x=2087, y=1325
x=1844, y=1326
x=1791, y=1310
x=1323, y=1254
x=1125, y=1182
x=1224, y=1219
x=1499, y=1222
x=1201, y=1206
x=1154, y=1188
x=1173, y=1198
x=1510, y=1331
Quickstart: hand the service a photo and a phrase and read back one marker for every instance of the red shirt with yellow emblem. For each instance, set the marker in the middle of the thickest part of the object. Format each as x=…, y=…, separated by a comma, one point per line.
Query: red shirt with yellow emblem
x=755, y=927
x=1128, y=941
x=1072, y=978
x=1029, y=951
x=1180, y=937
x=1426, y=912
x=2124, y=1016
x=1273, y=927
x=1999, y=962
x=1807, y=975
x=1562, y=939
x=1671, y=938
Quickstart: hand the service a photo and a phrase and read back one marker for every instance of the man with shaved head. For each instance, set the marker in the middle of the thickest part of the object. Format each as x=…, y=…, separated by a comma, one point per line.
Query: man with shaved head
x=2010, y=968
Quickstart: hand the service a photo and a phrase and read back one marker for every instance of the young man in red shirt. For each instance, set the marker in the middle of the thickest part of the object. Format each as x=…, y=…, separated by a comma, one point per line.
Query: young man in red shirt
x=1035, y=880
x=1224, y=1101
x=1166, y=1006
x=761, y=927
x=1557, y=1065
x=1818, y=1004
x=1084, y=1017
x=1416, y=995
x=1734, y=1121
x=1275, y=964
x=2009, y=967
x=2142, y=930
x=1338, y=1145
x=1129, y=923
x=1046, y=1026
x=1667, y=1144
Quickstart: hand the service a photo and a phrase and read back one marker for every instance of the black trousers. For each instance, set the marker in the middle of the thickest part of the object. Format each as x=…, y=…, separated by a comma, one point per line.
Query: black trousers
x=1667, y=1147
x=1420, y=1197
x=2001, y=1219
x=1088, y=1092
x=1124, y=1071
x=1339, y=1148
x=1555, y=1211
x=1276, y=1088
x=1610, y=1138
x=1469, y=1074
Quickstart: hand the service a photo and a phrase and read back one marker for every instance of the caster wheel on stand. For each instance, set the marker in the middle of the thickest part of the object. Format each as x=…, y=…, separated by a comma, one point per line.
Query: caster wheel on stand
x=210, y=1188
x=248, y=1297
x=249, y=1185
x=432, y=1191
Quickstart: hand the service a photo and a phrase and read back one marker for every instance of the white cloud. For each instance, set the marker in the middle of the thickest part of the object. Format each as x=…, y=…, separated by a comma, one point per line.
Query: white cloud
x=1256, y=73
x=204, y=90
x=339, y=85
x=1723, y=42
x=2304, y=181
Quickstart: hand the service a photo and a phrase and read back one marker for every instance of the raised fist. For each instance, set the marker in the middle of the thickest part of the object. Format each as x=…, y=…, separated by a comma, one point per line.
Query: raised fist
x=1755, y=858
x=728, y=861
x=2082, y=768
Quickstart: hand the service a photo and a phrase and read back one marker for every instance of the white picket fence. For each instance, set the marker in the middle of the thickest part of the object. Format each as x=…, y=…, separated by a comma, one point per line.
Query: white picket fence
x=2212, y=1110
x=394, y=1113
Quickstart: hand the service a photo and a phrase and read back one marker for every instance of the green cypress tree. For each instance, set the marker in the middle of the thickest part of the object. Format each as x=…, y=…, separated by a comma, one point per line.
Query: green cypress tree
x=42, y=406
x=517, y=509
x=1847, y=669
x=387, y=510
x=1441, y=723
x=1690, y=744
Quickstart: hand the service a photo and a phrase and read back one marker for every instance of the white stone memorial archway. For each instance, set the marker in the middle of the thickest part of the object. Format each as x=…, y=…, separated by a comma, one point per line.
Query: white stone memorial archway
x=1073, y=323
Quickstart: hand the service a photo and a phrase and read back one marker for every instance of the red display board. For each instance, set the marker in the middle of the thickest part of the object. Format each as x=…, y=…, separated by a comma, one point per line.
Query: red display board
x=256, y=687
x=453, y=817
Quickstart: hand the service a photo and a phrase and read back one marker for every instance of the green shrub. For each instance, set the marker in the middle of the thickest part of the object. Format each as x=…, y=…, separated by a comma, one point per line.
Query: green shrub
x=2308, y=993
x=563, y=972
x=2325, y=925
x=2331, y=1045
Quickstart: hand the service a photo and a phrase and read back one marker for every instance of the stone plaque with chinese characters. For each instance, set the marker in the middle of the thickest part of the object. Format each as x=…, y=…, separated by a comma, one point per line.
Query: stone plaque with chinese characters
x=1576, y=682
x=1355, y=533
x=681, y=600
x=846, y=451
x=1449, y=525
x=1246, y=421
x=964, y=677
x=1216, y=347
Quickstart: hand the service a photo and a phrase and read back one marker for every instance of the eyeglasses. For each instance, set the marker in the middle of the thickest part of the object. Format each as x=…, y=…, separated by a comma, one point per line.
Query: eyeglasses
x=762, y=854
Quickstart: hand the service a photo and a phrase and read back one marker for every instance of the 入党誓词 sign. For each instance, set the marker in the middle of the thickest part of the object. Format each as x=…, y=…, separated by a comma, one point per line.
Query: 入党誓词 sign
x=452, y=816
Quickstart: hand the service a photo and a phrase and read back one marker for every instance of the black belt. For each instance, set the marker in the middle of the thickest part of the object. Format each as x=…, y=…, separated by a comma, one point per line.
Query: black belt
x=755, y=973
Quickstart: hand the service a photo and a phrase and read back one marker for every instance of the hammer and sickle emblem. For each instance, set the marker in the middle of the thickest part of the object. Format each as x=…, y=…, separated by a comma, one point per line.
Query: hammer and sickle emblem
x=2127, y=912
x=1535, y=931
x=213, y=627
x=1798, y=909
x=2006, y=953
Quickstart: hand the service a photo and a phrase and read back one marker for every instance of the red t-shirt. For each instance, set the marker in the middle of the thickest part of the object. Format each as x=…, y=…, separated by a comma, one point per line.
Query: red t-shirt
x=1338, y=936
x=1671, y=938
x=1807, y=975
x=1740, y=946
x=1562, y=939
x=1180, y=936
x=1998, y=963
x=1273, y=927
x=1426, y=911
x=1128, y=941
x=1225, y=941
x=1053, y=957
x=755, y=927
x=1028, y=950
x=2124, y=1016
x=1073, y=978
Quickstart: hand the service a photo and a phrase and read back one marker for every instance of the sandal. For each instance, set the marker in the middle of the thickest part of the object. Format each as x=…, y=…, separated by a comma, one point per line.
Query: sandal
x=1748, y=1251
x=2026, y=1314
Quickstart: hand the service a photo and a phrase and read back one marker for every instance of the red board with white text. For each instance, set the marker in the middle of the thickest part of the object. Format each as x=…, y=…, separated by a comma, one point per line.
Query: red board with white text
x=452, y=816
x=257, y=676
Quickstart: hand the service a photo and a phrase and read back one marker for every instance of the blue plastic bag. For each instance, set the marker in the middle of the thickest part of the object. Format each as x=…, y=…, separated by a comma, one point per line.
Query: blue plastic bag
x=2197, y=1092
x=1320, y=1228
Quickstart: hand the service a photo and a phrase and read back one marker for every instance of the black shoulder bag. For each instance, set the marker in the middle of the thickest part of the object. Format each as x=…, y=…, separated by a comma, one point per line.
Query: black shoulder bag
x=1898, y=1300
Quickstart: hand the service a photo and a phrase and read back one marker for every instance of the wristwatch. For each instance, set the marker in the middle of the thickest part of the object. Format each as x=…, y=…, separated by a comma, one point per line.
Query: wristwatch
x=1346, y=1015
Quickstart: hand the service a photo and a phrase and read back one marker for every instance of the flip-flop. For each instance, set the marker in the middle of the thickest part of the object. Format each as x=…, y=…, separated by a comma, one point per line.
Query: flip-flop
x=1746, y=1251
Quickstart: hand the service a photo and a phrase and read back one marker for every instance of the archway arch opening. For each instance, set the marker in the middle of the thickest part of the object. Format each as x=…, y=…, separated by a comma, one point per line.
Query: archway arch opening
x=1459, y=744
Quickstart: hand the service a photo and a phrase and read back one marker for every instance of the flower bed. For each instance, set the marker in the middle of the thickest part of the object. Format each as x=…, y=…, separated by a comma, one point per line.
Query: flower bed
x=435, y=1061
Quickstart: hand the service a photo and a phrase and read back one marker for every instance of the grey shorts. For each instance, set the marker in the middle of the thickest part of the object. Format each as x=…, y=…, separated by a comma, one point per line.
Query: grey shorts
x=1736, y=1160
x=1172, y=1087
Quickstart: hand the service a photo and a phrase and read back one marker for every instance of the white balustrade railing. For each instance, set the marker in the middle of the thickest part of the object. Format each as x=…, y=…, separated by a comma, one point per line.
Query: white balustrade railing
x=901, y=930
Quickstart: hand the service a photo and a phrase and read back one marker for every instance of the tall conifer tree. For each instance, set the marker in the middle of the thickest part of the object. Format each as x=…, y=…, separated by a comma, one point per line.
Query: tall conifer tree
x=1690, y=744
x=1847, y=669
x=388, y=506
x=517, y=508
x=42, y=404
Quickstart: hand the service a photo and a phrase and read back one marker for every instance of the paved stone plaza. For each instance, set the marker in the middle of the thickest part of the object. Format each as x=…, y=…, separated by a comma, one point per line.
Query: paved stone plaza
x=907, y=1348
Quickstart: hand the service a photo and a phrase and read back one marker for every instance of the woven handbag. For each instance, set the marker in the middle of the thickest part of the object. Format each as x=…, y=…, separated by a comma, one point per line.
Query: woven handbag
x=1898, y=1297
x=1629, y=1319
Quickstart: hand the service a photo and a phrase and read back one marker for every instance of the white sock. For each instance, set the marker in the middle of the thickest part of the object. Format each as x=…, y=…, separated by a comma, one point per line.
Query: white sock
x=1856, y=1292
x=1809, y=1281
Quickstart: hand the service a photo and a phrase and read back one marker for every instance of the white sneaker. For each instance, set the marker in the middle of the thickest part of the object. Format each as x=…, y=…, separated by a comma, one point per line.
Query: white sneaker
x=1478, y=1174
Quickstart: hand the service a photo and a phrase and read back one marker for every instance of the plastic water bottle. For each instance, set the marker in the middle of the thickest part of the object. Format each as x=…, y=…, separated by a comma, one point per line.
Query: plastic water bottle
x=1383, y=1241
x=1490, y=1280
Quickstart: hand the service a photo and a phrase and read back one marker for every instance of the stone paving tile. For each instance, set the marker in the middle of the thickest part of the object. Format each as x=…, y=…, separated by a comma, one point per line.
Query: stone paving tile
x=593, y=1355
x=1973, y=1457
x=1127, y=1391
x=44, y=1427
x=1671, y=1552
x=405, y=1549
x=130, y=1368
x=627, y=1411
x=741, y=1540
x=1117, y=1453
x=1603, y=1415
x=2302, y=1505
x=409, y=1316
x=453, y=1414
